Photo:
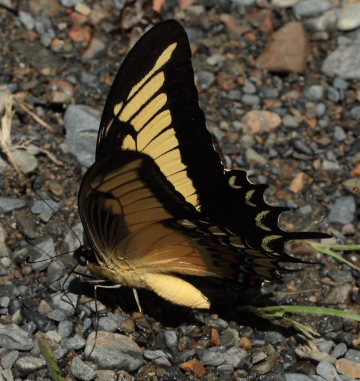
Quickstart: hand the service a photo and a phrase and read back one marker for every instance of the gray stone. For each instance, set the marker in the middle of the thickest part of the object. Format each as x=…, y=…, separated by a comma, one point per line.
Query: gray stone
x=8, y=358
x=229, y=337
x=284, y=3
x=8, y=204
x=298, y=377
x=213, y=358
x=76, y=342
x=25, y=160
x=218, y=323
x=60, y=353
x=109, y=375
x=302, y=147
x=70, y=3
x=251, y=100
x=324, y=345
x=353, y=355
x=246, y=3
x=342, y=210
x=289, y=121
x=333, y=94
x=327, y=370
x=216, y=60
x=311, y=8
x=40, y=58
x=270, y=92
x=57, y=314
x=339, y=350
x=249, y=87
x=97, y=48
x=343, y=61
x=234, y=95
x=82, y=125
x=163, y=362
x=349, y=17
x=315, y=93
x=341, y=276
x=43, y=252
x=355, y=112
x=26, y=225
x=235, y=357
x=29, y=364
x=339, y=294
x=171, y=340
x=27, y=20
x=305, y=210
x=6, y=375
x=107, y=324
x=275, y=337
x=339, y=134
x=328, y=165
x=13, y=337
x=66, y=302
x=322, y=25
x=65, y=328
x=45, y=208
x=82, y=371
x=4, y=301
x=113, y=351
x=340, y=84
x=154, y=354
x=205, y=79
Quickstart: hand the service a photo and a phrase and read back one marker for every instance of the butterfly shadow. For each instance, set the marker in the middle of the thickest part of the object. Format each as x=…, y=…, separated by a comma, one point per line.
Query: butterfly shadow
x=225, y=298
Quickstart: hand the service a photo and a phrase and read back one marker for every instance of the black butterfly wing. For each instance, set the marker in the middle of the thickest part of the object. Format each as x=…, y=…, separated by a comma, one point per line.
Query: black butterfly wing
x=153, y=108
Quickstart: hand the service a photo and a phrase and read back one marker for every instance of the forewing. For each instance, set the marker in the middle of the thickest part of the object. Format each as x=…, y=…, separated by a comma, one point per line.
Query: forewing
x=153, y=108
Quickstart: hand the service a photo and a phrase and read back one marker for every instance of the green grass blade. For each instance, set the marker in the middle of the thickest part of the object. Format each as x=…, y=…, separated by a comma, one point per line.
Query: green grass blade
x=332, y=252
x=50, y=359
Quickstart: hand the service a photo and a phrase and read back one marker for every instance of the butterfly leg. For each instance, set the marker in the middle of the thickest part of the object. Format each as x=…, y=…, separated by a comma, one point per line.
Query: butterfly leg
x=136, y=296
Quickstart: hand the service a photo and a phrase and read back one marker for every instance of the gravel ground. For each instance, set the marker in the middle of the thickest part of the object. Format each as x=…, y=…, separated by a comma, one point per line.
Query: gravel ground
x=278, y=82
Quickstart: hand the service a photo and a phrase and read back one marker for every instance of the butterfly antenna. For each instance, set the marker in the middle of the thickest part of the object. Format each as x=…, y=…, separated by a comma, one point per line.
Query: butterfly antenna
x=59, y=216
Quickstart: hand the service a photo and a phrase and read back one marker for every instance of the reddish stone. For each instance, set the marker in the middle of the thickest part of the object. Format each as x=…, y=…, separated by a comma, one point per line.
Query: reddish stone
x=287, y=50
x=194, y=366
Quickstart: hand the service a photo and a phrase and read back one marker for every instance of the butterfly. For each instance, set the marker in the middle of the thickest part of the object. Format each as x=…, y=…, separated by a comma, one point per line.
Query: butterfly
x=157, y=204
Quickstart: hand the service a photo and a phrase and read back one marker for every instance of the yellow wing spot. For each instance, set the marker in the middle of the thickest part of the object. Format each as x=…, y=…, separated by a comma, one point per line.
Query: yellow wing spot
x=117, y=108
x=186, y=224
x=266, y=241
x=143, y=96
x=216, y=230
x=149, y=142
x=237, y=242
x=129, y=143
x=248, y=198
x=161, y=61
x=259, y=218
x=151, y=109
x=232, y=183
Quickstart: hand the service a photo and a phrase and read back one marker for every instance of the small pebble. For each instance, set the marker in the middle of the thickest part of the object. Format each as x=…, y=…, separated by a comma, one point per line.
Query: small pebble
x=81, y=370
x=327, y=370
x=212, y=358
x=28, y=364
